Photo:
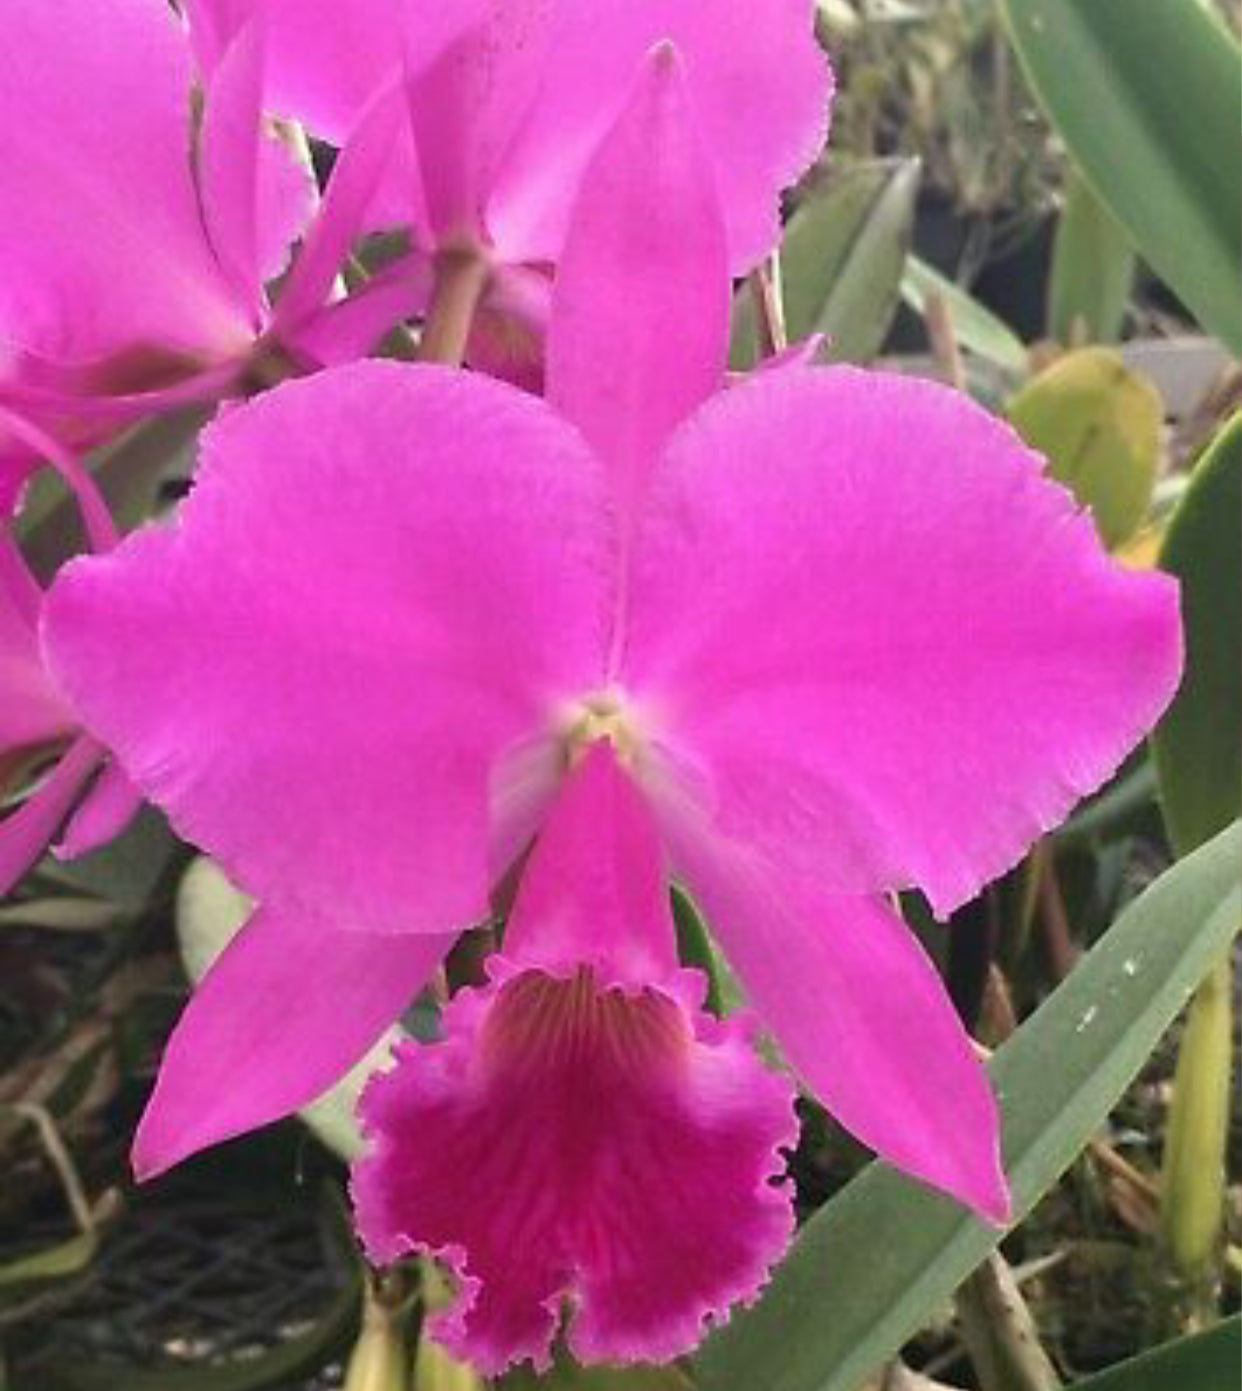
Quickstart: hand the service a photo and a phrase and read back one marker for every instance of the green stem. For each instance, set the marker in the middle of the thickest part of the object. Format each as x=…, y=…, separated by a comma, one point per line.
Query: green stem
x=461, y=278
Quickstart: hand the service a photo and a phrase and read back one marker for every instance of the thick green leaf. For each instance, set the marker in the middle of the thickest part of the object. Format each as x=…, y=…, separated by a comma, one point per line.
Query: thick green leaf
x=1092, y=274
x=1203, y=1362
x=842, y=259
x=869, y=1269
x=1146, y=95
x=975, y=327
x=1099, y=425
x=1198, y=744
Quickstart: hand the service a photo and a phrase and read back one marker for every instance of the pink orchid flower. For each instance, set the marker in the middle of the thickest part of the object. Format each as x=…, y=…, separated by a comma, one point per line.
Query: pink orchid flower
x=507, y=100
x=84, y=792
x=136, y=236
x=796, y=644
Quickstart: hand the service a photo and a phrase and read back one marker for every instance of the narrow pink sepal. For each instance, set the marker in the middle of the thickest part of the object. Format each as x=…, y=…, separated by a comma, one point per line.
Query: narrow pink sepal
x=640, y=307
x=108, y=807
x=760, y=85
x=326, y=60
x=287, y=1010
x=27, y=832
x=228, y=165
x=473, y=70
x=351, y=328
x=859, y=1013
x=883, y=647
x=32, y=711
x=320, y=707
x=339, y=221
x=625, y=1143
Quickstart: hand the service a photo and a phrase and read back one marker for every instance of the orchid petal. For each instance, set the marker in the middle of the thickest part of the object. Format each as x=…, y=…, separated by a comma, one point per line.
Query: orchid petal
x=285, y=1012
x=640, y=308
x=877, y=642
x=627, y=1142
x=474, y=70
x=760, y=86
x=109, y=806
x=355, y=178
x=859, y=1013
x=145, y=273
x=326, y=62
x=353, y=327
x=319, y=705
x=32, y=711
x=27, y=832
x=255, y=198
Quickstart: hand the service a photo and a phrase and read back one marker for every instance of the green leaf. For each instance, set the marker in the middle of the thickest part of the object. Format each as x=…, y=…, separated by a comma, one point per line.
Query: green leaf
x=695, y=948
x=841, y=260
x=1147, y=98
x=209, y=914
x=68, y=1257
x=1203, y=1362
x=131, y=870
x=61, y=914
x=1198, y=743
x=868, y=1270
x=1099, y=424
x=1092, y=273
x=975, y=327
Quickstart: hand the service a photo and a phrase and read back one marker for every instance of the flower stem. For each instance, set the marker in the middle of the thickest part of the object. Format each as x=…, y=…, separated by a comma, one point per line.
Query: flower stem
x=461, y=277
x=765, y=289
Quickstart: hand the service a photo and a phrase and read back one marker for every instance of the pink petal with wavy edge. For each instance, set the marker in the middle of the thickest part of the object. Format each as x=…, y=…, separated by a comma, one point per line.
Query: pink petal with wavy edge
x=858, y=1010
x=27, y=832
x=108, y=807
x=758, y=81
x=89, y=146
x=287, y=1010
x=640, y=308
x=319, y=704
x=627, y=1143
x=255, y=198
x=882, y=647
